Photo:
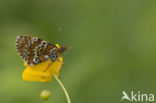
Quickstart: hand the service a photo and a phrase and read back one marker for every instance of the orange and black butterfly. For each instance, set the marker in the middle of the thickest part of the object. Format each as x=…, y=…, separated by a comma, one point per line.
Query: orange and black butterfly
x=35, y=50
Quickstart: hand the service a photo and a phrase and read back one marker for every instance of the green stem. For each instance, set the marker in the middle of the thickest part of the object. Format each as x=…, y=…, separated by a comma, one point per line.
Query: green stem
x=64, y=89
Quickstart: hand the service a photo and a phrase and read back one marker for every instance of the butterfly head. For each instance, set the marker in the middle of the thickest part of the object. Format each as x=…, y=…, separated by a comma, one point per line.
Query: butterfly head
x=62, y=50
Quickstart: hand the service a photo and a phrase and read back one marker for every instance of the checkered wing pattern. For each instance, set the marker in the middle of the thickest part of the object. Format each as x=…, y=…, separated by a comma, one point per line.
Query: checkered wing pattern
x=35, y=50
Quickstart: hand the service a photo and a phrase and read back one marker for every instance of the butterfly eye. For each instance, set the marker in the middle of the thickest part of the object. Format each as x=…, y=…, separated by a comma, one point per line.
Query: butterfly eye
x=63, y=49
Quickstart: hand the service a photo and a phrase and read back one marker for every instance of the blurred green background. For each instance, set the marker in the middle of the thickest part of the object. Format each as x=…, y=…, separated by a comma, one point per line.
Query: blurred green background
x=113, y=48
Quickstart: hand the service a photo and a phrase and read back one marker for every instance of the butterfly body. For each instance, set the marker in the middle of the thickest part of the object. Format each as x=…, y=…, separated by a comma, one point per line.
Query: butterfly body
x=35, y=50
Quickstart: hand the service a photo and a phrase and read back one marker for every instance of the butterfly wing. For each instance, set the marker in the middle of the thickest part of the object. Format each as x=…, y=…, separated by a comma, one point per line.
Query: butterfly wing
x=35, y=50
x=21, y=42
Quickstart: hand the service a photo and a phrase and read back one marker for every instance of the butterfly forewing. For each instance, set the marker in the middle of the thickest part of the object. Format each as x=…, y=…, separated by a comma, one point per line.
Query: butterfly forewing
x=35, y=50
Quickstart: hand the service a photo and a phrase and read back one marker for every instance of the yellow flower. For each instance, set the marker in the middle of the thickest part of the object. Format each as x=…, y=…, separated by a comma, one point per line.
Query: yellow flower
x=44, y=71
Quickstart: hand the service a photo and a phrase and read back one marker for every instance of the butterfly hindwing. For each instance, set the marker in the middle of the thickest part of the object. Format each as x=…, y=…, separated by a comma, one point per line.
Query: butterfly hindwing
x=35, y=50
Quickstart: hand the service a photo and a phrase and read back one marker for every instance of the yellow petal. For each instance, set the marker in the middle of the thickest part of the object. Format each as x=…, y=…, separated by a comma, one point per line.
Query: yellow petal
x=42, y=72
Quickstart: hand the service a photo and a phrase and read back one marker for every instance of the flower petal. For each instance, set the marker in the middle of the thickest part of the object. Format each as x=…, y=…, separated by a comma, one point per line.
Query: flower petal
x=42, y=72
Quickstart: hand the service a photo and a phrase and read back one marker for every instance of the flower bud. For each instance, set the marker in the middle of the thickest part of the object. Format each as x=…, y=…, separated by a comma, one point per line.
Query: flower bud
x=45, y=94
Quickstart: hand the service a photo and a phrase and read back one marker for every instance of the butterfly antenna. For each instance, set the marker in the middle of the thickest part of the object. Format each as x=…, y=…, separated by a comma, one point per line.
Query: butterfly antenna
x=61, y=36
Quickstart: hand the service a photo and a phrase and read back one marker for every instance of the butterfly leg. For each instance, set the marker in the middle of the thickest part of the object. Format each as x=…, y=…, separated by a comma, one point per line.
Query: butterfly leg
x=47, y=67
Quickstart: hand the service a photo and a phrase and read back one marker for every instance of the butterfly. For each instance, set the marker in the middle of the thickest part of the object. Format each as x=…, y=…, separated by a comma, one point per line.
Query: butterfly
x=35, y=50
